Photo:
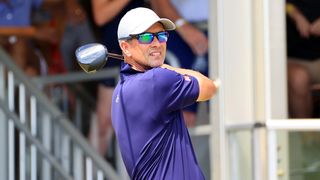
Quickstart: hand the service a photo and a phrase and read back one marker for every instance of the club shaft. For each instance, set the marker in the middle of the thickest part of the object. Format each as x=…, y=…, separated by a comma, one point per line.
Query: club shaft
x=116, y=56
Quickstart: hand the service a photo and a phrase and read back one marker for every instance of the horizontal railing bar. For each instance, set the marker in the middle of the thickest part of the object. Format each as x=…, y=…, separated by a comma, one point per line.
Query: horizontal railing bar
x=240, y=126
x=73, y=77
x=279, y=124
x=294, y=124
x=200, y=130
x=206, y=129
x=34, y=141
x=28, y=31
x=244, y=126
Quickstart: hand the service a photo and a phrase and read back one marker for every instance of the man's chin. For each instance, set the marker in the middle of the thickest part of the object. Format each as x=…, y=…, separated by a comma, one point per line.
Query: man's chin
x=157, y=63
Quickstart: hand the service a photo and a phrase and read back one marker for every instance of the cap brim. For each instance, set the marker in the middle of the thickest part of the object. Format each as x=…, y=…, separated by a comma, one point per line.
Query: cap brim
x=167, y=24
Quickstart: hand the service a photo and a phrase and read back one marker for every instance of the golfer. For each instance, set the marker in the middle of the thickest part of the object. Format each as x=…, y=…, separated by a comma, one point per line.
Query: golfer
x=147, y=102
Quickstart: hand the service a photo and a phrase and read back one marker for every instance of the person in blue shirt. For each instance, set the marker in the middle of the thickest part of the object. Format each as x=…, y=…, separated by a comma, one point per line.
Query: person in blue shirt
x=18, y=33
x=148, y=100
x=16, y=13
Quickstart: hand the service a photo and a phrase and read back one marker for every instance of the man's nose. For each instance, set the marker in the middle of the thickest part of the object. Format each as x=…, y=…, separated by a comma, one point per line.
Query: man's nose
x=155, y=41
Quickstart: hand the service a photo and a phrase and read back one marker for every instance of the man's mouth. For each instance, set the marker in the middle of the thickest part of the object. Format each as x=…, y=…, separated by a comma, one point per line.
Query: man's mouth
x=155, y=53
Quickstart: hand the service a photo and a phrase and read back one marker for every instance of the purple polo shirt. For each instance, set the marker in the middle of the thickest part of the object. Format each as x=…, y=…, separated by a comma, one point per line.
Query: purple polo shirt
x=148, y=122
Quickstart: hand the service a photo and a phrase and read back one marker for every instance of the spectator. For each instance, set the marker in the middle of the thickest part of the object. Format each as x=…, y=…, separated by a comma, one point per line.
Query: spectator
x=303, y=48
x=189, y=43
x=17, y=14
x=77, y=32
x=17, y=31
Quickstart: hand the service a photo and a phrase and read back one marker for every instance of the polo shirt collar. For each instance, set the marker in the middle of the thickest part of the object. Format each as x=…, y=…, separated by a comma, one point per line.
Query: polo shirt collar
x=127, y=70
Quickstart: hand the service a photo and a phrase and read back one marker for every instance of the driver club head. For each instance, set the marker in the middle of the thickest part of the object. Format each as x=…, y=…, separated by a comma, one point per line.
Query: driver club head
x=92, y=57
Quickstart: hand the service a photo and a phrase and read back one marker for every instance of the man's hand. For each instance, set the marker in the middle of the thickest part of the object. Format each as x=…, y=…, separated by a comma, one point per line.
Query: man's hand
x=303, y=25
x=195, y=38
x=315, y=27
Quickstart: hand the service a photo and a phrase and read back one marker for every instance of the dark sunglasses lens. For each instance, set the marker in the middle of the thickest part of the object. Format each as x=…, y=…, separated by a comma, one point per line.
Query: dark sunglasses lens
x=145, y=38
x=163, y=36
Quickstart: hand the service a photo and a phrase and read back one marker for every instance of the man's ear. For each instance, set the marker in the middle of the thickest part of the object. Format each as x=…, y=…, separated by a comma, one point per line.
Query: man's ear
x=125, y=46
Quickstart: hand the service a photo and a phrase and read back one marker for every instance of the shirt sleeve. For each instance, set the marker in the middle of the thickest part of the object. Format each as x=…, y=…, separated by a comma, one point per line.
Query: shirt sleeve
x=174, y=91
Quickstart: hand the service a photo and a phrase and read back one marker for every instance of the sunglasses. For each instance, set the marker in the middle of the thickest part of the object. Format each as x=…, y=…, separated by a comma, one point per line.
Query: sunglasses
x=147, y=37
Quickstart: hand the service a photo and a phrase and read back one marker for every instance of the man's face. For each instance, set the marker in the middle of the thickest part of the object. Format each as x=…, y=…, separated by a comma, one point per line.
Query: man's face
x=146, y=56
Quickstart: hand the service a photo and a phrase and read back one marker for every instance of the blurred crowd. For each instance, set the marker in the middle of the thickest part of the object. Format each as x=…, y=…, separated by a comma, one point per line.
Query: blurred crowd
x=37, y=34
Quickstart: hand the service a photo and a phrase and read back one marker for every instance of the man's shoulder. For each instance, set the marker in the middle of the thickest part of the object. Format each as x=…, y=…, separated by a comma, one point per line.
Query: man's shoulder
x=164, y=73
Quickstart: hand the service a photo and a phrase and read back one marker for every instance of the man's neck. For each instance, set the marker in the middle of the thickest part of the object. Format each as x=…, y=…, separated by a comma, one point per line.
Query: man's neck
x=138, y=67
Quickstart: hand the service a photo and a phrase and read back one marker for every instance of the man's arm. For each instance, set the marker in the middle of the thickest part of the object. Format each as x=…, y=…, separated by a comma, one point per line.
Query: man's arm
x=315, y=27
x=195, y=38
x=28, y=31
x=105, y=10
x=301, y=22
x=207, y=87
x=164, y=8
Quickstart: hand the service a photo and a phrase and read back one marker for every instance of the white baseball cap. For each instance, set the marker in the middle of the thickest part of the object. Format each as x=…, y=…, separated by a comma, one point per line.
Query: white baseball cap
x=138, y=20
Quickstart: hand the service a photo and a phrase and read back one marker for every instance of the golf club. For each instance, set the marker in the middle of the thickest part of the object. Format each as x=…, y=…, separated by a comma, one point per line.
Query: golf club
x=92, y=57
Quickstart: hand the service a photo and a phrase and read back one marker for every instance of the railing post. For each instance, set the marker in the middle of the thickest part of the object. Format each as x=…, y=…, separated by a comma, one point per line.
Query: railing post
x=3, y=129
x=33, y=127
x=272, y=155
x=11, y=134
x=22, y=138
x=89, y=169
x=78, y=162
x=65, y=152
x=46, y=140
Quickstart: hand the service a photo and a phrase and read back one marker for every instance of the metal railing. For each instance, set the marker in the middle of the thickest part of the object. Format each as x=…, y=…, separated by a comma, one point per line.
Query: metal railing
x=271, y=127
x=41, y=141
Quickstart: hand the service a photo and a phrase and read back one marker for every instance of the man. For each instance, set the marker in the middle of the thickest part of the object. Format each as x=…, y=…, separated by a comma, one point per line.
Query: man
x=148, y=101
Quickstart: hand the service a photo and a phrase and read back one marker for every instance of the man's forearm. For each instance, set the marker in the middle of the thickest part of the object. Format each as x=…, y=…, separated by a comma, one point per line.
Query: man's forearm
x=28, y=31
x=166, y=9
x=292, y=11
x=105, y=10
